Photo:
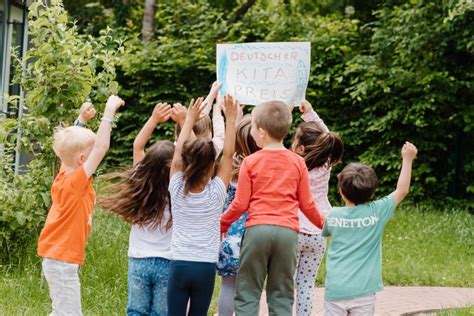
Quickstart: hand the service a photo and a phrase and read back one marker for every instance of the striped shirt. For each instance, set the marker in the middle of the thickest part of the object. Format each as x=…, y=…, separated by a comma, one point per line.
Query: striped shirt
x=196, y=218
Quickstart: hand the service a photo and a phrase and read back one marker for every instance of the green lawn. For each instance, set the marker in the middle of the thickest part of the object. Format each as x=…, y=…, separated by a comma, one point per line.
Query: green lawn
x=422, y=246
x=467, y=311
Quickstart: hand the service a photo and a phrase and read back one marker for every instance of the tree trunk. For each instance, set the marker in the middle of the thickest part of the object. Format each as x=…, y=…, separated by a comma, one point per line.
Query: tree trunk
x=241, y=11
x=148, y=20
x=237, y=16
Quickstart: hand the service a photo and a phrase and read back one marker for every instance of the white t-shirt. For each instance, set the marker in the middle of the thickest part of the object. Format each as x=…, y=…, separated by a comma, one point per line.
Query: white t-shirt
x=146, y=242
x=196, y=220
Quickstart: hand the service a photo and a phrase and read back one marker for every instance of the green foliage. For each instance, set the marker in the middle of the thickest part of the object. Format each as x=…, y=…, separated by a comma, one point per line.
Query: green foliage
x=406, y=75
x=415, y=83
x=177, y=66
x=24, y=201
x=63, y=69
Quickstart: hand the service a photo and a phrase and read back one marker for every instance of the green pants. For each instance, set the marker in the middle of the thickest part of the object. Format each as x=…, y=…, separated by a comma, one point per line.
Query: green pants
x=267, y=251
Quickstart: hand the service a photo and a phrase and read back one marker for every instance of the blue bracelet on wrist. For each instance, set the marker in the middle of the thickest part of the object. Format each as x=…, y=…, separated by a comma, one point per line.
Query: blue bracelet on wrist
x=79, y=123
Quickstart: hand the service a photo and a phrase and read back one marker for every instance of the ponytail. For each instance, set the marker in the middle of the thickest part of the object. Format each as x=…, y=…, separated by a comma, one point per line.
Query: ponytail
x=328, y=149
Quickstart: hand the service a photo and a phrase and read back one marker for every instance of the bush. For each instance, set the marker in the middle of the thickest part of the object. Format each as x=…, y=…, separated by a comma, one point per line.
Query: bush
x=63, y=69
x=407, y=75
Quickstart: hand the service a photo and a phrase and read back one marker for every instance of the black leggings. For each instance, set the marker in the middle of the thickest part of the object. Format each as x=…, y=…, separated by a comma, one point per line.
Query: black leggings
x=193, y=281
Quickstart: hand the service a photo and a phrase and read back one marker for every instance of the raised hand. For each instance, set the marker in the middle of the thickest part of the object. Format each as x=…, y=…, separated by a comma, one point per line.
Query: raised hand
x=114, y=103
x=409, y=151
x=216, y=85
x=178, y=113
x=86, y=112
x=161, y=113
x=305, y=106
x=195, y=108
x=230, y=108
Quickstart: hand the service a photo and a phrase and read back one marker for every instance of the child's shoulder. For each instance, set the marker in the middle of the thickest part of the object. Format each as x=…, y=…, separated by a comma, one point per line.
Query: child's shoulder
x=383, y=203
x=275, y=159
x=77, y=176
x=75, y=181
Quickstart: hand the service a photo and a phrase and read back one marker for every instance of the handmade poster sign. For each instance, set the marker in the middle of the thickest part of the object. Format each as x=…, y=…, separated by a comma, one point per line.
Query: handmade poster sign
x=257, y=72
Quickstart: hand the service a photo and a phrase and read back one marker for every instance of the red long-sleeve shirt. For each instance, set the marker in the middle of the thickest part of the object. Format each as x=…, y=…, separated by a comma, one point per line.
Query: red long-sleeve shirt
x=272, y=185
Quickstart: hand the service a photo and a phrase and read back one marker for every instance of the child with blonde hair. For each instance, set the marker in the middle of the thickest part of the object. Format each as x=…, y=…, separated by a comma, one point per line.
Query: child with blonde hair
x=142, y=199
x=321, y=149
x=273, y=185
x=197, y=199
x=62, y=241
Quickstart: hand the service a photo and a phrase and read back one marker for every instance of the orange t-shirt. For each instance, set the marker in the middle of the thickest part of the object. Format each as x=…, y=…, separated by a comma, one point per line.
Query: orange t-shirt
x=69, y=220
x=272, y=185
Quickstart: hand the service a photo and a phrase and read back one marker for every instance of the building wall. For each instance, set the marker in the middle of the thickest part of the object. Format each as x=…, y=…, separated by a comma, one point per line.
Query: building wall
x=13, y=35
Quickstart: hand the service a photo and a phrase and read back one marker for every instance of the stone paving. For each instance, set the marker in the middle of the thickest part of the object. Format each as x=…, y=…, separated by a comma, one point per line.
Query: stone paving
x=405, y=300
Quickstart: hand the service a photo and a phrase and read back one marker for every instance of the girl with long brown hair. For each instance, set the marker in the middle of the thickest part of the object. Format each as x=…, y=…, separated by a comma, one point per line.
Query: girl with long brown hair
x=197, y=199
x=321, y=149
x=141, y=198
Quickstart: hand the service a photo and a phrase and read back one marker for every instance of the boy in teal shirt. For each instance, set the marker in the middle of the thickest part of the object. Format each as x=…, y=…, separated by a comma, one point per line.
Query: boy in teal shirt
x=354, y=257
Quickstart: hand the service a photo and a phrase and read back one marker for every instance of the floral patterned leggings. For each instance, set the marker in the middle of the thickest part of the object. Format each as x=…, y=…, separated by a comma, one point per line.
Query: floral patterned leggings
x=309, y=256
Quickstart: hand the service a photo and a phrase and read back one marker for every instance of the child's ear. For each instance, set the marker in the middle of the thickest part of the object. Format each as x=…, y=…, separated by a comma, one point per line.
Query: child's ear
x=299, y=149
x=341, y=194
x=81, y=159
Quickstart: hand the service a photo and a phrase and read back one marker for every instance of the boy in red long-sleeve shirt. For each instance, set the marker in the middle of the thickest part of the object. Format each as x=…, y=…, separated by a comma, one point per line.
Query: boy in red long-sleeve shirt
x=273, y=184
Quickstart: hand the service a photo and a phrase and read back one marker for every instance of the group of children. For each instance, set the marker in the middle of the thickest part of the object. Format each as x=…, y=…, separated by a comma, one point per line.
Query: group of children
x=226, y=197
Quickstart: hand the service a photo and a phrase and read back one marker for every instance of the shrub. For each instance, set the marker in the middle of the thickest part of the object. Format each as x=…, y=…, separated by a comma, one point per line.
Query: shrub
x=63, y=69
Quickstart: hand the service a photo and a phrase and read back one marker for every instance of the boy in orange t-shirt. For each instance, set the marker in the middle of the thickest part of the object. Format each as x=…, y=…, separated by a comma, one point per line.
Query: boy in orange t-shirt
x=62, y=241
x=273, y=185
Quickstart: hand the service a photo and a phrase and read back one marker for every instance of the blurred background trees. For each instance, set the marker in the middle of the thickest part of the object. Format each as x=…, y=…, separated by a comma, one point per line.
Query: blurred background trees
x=382, y=72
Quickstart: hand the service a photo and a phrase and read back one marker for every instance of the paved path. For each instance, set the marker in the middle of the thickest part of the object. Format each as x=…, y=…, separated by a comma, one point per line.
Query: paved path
x=406, y=300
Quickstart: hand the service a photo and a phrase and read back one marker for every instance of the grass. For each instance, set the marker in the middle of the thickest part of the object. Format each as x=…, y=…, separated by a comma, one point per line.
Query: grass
x=422, y=246
x=467, y=311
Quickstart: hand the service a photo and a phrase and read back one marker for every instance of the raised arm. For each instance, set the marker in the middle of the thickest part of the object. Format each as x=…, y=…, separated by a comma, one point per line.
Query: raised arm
x=225, y=167
x=309, y=115
x=102, y=141
x=194, y=110
x=161, y=113
x=209, y=100
x=218, y=126
x=409, y=152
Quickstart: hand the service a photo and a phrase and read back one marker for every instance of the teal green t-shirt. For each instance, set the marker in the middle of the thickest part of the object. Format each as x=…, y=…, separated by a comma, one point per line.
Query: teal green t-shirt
x=354, y=257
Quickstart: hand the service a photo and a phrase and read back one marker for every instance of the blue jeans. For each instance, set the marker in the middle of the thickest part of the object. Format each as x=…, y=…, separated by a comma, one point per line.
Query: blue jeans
x=148, y=286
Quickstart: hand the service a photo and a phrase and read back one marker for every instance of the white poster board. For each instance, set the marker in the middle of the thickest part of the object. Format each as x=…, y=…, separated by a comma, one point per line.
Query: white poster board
x=257, y=72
